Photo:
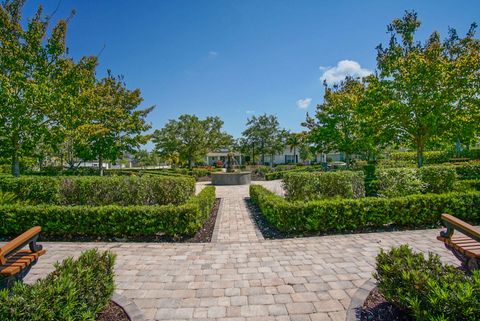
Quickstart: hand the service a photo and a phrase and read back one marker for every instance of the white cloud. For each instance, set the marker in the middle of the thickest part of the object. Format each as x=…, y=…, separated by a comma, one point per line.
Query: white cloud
x=250, y=112
x=304, y=103
x=212, y=54
x=343, y=68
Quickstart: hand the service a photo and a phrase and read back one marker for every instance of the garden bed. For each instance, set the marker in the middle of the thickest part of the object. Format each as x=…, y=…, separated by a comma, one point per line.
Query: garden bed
x=377, y=308
x=113, y=312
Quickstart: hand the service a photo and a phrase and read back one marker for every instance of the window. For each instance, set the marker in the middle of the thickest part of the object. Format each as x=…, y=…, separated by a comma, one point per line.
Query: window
x=289, y=159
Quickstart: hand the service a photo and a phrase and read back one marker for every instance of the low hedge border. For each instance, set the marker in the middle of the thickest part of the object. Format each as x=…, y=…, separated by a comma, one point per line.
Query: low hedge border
x=99, y=191
x=349, y=215
x=111, y=220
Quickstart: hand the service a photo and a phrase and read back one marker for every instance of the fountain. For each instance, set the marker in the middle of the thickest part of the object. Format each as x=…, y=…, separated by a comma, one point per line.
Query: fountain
x=232, y=175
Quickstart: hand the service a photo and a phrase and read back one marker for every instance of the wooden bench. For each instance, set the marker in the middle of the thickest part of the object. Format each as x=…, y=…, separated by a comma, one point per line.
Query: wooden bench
x=15, y=262
x=466, y=246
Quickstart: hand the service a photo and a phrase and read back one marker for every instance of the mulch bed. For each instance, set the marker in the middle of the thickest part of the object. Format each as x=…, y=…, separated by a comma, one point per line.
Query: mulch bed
x=377, y=308
x=113, y=312
x=204, y=235
x=268, y=231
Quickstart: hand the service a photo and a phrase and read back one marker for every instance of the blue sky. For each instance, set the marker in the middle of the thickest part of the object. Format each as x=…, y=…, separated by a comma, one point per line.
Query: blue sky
x=237, y=58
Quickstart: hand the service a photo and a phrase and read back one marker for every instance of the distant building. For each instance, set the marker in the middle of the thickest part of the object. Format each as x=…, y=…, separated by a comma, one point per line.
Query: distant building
x=222, y=155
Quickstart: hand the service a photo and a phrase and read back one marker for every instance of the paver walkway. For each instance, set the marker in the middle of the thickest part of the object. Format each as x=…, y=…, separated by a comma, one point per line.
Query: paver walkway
x=240, y=276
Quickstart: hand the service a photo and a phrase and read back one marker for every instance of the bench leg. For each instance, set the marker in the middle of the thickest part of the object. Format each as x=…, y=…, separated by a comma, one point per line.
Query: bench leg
x=473, y=264
x=468, y=263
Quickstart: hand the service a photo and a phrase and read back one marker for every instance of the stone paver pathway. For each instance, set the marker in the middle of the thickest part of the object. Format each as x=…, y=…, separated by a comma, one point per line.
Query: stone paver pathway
x=241, y=276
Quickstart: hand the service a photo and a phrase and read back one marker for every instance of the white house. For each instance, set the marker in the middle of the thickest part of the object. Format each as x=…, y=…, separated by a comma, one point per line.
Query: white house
x=222, y=155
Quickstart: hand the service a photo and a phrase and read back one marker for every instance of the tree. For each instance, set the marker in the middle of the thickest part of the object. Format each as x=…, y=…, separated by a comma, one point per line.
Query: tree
x=28, y=61
x=294, y=141
x=191, y=138
x=264, y=134
x=114, y=123
x=336, y=122
x=422, y=82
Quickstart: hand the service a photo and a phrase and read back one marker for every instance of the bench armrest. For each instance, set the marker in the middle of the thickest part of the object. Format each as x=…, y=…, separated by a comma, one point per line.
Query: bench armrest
x=29, y=237
x=452, y=223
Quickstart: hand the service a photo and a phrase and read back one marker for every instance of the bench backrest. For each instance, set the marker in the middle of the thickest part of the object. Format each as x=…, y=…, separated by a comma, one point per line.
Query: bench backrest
x=19, y=242
x=452, y=223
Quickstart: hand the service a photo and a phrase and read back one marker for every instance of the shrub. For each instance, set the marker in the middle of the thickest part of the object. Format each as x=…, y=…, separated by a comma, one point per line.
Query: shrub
x=467, y=185
x=431, y=157
x=77, y=290
x=426, y=287
x=345, y=215
x=111, y=220
x=97, y=191
x=7, y=198
x=396, y=182
x=310, y=186
x=470, y=170
x=438, y=178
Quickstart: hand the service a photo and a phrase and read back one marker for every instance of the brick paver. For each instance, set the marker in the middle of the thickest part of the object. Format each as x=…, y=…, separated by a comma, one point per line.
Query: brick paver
x=241, y=276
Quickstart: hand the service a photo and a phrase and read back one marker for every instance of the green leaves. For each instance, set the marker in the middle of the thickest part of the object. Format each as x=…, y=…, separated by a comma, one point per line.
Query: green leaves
x=345, y=215
x=426, y=287
x=191, y=138
x=111, y=220
x=76, y=290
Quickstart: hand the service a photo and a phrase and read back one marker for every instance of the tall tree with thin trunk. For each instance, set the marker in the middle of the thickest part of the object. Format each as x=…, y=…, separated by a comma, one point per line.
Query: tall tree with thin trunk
x=29, y=58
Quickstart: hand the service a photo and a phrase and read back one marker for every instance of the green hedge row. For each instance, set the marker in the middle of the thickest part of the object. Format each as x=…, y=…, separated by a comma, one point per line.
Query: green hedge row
x=99, y=191
x=426, y=288
x=77, y=290
x=436, y=157
x=111, y=220
x=311, y=186
x=341, y=215
x=299, y=169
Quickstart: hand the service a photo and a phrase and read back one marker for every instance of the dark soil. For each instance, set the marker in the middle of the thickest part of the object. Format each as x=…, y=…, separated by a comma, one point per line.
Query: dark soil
x=113, y=312
x=377, y=308
x=268, y=231
x=204, y=235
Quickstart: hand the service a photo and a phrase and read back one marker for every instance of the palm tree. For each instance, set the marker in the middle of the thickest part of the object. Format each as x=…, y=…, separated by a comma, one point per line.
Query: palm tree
x=294, y=141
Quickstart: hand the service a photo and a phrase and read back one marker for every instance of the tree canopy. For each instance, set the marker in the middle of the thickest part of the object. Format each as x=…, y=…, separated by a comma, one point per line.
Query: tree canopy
x=191, y=138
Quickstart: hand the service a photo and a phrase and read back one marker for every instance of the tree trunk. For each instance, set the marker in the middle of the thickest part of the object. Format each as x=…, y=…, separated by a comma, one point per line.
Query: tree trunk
x=347, y=157
x=271, y=160
x=100, y=164
x=15, y=163
x=294, y=155
x=420, y=156
x=190, y=163
x=253, y=154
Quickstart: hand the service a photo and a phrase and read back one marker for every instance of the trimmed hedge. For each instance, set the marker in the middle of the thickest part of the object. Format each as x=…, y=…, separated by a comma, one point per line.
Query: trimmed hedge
x=438, y=178
x=470, y=170
x=99, y=191
x=310, y=186
x=342, y=215
x=431, y=157
x=281, y=174
x=426, y=288
x=77, y=290
x=111, y=220
x=396, y=182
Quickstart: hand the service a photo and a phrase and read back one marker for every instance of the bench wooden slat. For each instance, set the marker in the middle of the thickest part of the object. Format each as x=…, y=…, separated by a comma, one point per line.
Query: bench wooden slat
x=19, y=261
x=19, y=240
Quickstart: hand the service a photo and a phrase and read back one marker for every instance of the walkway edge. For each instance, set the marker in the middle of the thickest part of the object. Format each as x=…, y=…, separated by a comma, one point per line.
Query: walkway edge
x=130, y=308
x=358, y=299
x=216, y=229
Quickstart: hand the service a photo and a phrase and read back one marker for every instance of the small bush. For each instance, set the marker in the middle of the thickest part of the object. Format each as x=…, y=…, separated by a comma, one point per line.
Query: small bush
x=396, y=182
x=97, y=191
x=7, y=198
x=430, y=158
x=348, y=215
x=77, y=290
x=311, y=186
x=470, y=170
x=438, y=179
x=426, y=287
x=111, y=220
